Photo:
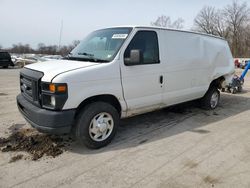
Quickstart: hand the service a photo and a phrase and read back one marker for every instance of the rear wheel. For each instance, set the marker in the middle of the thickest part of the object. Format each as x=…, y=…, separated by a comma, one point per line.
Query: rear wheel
x=96, y=125
x=211, y=99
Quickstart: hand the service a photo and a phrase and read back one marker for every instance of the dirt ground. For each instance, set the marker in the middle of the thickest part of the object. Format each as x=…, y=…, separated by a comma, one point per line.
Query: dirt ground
x=176, y=147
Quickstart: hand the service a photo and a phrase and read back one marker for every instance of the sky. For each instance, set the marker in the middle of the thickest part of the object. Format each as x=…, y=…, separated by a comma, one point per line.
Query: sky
x=39, y=21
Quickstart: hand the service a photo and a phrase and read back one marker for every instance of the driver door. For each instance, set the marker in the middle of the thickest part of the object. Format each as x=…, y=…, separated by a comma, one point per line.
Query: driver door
x=143, y=81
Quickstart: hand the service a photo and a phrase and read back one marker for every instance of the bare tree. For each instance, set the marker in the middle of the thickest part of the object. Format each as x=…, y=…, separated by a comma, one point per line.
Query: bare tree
x=237, y=17
x=41, y=48
x=178, y=24
x=211, y=21
x=232, y=23
x=205, y=21
x=220, y=25
x=165, y=21
x=20, y=48
x=245, y=43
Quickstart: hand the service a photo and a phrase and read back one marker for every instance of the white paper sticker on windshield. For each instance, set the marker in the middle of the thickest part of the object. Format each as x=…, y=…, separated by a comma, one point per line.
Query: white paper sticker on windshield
x=119, y=36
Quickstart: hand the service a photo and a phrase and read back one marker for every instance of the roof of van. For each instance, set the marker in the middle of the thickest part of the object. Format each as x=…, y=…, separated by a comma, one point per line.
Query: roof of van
x=169, y=29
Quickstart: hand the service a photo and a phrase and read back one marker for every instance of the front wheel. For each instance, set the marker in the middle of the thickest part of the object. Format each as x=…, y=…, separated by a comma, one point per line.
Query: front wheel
x=96, y=125
x=211, y=99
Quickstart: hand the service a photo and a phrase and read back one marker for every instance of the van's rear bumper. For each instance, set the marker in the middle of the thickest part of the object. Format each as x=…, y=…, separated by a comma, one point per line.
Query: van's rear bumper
x=47, y=121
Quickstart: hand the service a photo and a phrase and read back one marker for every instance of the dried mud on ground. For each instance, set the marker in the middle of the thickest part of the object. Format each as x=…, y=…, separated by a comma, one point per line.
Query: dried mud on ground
x=34, y=143
x=16, y=158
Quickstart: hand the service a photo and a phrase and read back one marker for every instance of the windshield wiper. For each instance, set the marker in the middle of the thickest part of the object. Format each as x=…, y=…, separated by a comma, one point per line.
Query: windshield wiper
x=97, y=60
x=86, y=54
x=91, y=57
x=86, y=59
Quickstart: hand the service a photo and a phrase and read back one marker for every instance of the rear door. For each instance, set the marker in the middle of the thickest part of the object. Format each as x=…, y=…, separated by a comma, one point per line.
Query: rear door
x=143, y=83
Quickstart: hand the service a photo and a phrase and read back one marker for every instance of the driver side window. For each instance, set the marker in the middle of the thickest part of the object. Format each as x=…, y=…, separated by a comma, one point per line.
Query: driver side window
x=147, y=43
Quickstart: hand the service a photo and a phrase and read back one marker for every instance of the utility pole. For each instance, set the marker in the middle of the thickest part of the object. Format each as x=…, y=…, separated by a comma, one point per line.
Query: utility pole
x=60, y=37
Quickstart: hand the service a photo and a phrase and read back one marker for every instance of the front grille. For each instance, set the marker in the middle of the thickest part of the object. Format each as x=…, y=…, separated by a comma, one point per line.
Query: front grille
x=29, y=85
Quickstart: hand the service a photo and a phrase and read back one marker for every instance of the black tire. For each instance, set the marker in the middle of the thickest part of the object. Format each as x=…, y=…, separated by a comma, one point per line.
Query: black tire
x=5, y=67
x=234, y=90
x=83, y=124
x=239, y=89
x=206, y=101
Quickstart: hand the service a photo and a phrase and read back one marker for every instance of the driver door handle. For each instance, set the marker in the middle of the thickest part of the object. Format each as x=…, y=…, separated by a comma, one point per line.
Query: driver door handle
x=161, y=79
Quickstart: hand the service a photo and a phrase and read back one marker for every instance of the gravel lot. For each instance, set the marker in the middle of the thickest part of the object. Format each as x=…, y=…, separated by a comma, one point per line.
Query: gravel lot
x=175, y=147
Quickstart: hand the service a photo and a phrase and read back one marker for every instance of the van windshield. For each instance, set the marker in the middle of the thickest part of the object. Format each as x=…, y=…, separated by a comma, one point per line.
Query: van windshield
x=101, y=45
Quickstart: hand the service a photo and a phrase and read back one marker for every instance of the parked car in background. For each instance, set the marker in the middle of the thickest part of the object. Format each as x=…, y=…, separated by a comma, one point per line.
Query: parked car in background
x=52, y=57
x=22, y=61
x=5, y=60
x=237, y=63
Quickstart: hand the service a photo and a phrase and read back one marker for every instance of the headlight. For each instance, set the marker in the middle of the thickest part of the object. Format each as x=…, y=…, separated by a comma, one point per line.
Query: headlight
x=54, y=95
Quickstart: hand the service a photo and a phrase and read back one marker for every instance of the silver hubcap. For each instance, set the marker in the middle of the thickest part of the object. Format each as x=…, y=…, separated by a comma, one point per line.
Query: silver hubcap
x=101, y=126
x=214, y=100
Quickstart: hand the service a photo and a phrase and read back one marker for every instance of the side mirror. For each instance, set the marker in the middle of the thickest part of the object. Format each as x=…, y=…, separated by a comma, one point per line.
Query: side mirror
x=134, y=59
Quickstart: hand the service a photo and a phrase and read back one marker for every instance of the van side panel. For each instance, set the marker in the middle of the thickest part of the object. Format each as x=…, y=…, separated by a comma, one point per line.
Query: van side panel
x=192, y=62
x=186, y=75
x=223, y=64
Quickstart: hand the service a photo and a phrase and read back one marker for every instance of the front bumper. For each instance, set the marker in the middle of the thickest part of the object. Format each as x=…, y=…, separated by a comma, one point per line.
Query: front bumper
x=47, y=121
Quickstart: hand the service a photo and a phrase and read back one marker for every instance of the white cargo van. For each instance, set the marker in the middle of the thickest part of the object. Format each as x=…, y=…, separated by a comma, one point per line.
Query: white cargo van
x=121, y=72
